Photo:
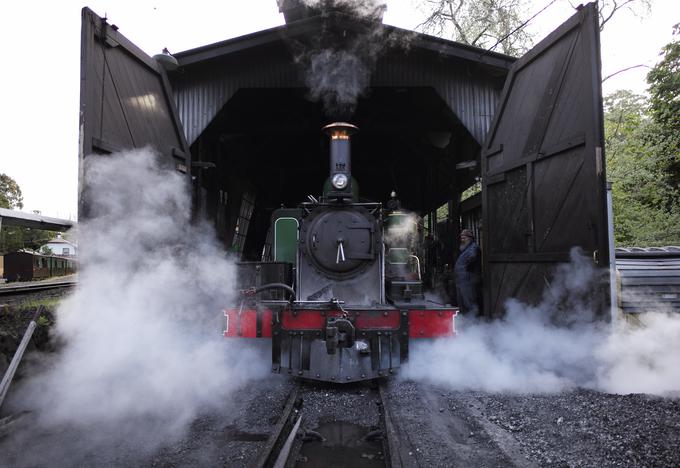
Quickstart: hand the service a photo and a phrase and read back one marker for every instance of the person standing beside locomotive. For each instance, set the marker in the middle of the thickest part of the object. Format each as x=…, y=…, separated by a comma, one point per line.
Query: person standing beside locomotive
x=467, y=273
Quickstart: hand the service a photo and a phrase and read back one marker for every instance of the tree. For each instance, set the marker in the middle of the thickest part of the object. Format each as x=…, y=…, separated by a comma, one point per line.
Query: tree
x=10, y=193
x=646, y=201
x=664, y=89
x=492, y=24
x=608, y=8
x=17, y=238
x=481, y=23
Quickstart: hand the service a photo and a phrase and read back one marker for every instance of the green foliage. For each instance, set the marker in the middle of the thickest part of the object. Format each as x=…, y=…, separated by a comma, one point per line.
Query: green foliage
x=643, y=146
x=10, y=193
x=45, y=250
x=30, y=305
x=443, y=212
x=664, y=89
x=471, y=191
x=646, y=200
x=17, y=238
x=42, y=321
x=474, y=189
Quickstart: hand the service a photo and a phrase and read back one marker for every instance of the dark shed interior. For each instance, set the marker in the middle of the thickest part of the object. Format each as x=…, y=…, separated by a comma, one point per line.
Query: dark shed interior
x=267, y=150
x=267, y=143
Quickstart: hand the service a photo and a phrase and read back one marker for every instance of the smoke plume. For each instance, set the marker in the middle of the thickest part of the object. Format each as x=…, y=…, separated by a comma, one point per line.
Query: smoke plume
x=338, y=62
x=142, y=347
x=369, y=9
x=555, y=346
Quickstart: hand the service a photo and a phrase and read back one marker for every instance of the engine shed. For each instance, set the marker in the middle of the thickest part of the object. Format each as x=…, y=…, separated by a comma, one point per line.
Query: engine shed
x=436, y=117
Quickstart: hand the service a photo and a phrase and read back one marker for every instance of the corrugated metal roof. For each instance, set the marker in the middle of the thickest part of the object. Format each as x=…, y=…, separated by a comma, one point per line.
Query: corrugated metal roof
x=214, y=73
x=34, y=221
x=471, y=94
x=644, y=251
x=200, y=95
x=650, y=280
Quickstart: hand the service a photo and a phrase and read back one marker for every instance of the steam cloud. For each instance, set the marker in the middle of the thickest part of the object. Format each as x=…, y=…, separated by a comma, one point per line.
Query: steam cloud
x=337, y=78
x=338, y=65
x=555, y=346
x=143, y=352
x=404, y=232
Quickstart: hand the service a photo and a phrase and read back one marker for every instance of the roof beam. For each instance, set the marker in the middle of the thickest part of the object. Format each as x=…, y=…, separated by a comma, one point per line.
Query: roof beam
x=33, y=221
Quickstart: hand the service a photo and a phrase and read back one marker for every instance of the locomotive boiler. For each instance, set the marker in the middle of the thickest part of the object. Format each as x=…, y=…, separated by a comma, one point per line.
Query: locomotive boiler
x=342, y=295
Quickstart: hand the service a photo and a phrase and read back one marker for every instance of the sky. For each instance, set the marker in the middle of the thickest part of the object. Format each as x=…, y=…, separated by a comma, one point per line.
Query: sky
x=40, y=46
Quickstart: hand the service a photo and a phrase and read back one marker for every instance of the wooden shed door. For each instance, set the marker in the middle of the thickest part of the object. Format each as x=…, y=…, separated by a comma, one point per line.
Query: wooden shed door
x=543, y=165
x=125, y=98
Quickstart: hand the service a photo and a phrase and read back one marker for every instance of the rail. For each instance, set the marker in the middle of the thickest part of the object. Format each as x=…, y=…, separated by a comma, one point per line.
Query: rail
x=35, y=287
x=396, y=455
x=278, y=446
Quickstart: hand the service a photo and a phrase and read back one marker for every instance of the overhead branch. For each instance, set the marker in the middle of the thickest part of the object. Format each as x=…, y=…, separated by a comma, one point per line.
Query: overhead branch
x=604, y=17
x=456, y=24
x=521, y=26
x=623, y=70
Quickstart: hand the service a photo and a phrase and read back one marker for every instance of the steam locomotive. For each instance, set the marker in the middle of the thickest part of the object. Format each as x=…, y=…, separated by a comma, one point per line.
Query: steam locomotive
x=341, y=295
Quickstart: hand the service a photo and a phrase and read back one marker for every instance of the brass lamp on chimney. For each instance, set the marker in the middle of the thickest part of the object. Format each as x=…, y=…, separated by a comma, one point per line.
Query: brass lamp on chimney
x=341, y=160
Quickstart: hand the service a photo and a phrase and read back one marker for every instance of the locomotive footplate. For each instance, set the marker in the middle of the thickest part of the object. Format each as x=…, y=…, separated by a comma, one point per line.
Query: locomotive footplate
x=350, y=345
x=320, y=341
x=338, y=345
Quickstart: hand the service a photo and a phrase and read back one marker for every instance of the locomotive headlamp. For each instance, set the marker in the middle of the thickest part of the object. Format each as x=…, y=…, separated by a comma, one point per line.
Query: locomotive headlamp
x=339, y=181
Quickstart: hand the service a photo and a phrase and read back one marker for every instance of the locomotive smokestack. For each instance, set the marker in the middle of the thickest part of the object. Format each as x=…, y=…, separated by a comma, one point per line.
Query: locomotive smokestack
x=341, y=158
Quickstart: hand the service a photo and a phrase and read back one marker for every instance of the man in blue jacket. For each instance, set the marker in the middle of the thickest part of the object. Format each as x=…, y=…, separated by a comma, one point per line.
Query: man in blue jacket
x=467, y=273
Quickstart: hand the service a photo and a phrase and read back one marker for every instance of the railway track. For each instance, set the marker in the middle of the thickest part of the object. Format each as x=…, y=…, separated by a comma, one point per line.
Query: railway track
x=276, y=451
x=27, y=288
x=392, y=425
x=397, y=455
x=335, y=440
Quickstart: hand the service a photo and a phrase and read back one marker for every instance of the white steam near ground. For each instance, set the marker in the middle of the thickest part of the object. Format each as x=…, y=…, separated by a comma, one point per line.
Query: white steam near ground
x=142, y=353
x=142, y=349
x=555, y=346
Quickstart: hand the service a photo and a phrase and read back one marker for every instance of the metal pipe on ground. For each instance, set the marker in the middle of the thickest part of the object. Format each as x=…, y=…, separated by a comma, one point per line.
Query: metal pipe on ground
x=13, y=366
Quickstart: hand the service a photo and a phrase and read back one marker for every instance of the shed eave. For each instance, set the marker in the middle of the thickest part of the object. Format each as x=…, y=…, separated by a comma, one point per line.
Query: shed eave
x=298, y=28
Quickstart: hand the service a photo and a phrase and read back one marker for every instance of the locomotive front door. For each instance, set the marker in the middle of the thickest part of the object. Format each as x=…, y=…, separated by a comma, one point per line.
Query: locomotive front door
x=543, y=166
x=125, y=99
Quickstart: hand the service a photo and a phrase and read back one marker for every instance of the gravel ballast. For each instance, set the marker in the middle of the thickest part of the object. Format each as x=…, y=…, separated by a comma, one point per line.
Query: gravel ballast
x=578, y=428
x=437, y=427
